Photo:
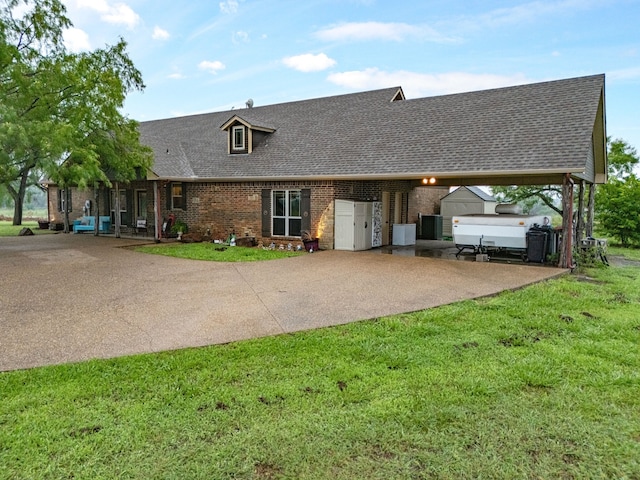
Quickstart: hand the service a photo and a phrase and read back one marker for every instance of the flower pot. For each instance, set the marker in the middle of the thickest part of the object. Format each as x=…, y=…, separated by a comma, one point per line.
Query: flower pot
x=311, y=244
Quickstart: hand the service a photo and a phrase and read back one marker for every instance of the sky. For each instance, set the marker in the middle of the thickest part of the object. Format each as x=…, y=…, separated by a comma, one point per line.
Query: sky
x=200, y=56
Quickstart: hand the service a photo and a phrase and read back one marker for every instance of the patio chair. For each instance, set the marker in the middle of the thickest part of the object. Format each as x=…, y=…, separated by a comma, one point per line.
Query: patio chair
x=141, y=226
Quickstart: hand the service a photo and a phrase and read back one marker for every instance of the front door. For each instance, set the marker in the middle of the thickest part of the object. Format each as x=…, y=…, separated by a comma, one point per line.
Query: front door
x=141, y=204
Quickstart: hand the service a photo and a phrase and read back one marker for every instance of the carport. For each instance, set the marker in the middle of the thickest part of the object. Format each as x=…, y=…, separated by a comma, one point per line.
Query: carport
x=551, y=133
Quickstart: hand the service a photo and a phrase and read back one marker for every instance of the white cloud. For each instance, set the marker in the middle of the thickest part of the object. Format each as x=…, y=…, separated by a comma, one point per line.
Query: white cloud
x=397, y=32
x=159, y=33
x=176, y=76
x=121, y=14
x=76, y=40
x=309, y=62
x=523, y=13
x=422, y=84
x=211, y=67
x=241, y=37
x=117, y=13
x=230, y=6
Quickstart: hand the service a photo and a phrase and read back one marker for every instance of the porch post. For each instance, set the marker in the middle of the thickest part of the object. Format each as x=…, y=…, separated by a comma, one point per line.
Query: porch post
x=591, y=209
x=566, y=246
x=96, y=209
x=156, y=211
x=117, y=214
x=580, y=219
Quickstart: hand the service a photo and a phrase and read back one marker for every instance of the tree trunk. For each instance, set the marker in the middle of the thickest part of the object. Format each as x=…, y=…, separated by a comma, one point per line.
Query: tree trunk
x=17, y=210
x=18, y=198
x=67, y=209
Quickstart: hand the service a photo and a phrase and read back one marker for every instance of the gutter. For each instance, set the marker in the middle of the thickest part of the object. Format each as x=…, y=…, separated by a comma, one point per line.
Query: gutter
x=384, y=176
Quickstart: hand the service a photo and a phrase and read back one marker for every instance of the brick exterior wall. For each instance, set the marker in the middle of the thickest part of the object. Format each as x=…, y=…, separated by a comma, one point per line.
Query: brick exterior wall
x=225, y=208
x=236, y=207
x=425, y=200
x=78, y=197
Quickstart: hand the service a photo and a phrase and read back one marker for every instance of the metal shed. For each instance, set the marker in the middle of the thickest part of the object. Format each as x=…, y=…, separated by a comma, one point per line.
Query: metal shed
x=465, y=201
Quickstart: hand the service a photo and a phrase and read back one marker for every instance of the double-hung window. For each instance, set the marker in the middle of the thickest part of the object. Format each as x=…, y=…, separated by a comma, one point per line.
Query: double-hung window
x=176, y=195
x=238, y=138
x=286, y=216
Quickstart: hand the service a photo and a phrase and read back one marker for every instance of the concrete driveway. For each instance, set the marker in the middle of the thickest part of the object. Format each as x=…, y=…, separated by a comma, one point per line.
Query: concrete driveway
x=67, y=298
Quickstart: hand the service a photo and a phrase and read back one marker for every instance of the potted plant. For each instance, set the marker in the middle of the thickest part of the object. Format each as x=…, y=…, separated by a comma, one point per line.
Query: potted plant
x=43, y=224
x=309, y=241
x=179, y=228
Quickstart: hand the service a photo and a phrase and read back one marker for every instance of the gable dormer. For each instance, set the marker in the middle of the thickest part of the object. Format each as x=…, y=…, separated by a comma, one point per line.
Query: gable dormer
x=399, y=95
x=243, y=136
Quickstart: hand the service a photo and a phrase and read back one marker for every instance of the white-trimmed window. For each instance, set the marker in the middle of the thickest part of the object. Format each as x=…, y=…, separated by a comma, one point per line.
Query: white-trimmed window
x=286, y=219
x=238, y=138
x=176, y=196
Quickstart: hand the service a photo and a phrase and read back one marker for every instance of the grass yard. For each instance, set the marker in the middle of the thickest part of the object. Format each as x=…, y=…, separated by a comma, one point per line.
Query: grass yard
x=215, y=252
x=27, y=214
x=543, y=382
x=9, y=230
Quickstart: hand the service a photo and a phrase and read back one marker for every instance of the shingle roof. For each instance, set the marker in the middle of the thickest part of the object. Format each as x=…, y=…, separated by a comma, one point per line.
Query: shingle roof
x=481, y=194
x=524, y=129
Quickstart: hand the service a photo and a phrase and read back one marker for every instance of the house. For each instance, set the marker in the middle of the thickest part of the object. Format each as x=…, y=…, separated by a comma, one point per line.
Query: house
x=273, y=171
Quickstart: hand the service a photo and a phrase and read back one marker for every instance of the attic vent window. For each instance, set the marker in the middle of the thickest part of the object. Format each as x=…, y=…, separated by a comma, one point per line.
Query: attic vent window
x=239, y=140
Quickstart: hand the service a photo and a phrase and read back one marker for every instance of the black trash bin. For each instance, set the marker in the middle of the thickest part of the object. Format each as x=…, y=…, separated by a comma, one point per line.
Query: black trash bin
x=537, y=245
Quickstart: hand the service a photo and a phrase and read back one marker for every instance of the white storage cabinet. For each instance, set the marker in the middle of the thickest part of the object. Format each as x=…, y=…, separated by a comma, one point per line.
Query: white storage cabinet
x=357, y=225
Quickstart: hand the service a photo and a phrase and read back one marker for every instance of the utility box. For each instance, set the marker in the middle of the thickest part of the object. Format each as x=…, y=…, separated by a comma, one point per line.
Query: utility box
x=430, y=227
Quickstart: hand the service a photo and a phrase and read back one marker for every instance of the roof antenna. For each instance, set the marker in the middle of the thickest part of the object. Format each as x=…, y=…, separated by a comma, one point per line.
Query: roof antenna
x=249, y=103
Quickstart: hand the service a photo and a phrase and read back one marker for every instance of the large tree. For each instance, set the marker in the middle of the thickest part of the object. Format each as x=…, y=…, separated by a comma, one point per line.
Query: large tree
x=618, y=201
x=60, y=111
x=530, y=196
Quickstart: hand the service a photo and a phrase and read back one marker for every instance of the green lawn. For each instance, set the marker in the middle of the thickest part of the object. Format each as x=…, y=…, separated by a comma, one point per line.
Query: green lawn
x=543, y=382
x=215, y=252
x=9, y=230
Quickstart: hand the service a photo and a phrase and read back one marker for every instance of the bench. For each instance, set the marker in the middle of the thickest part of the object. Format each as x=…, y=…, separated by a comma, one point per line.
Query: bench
x=87, y=224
